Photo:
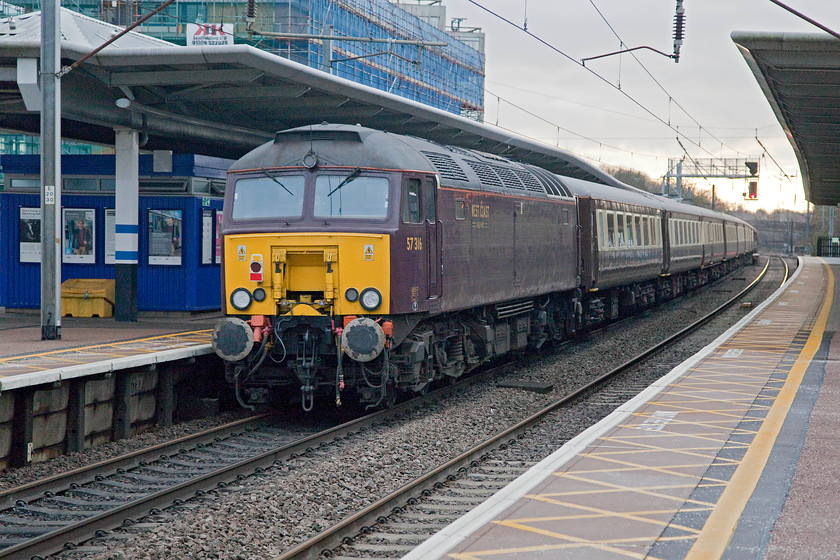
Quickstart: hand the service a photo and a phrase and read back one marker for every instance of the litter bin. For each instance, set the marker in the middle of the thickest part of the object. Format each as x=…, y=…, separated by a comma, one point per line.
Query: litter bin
x=87, y=297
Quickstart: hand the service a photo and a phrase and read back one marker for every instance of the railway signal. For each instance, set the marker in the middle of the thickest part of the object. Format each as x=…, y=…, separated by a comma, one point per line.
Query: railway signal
x=752, y=191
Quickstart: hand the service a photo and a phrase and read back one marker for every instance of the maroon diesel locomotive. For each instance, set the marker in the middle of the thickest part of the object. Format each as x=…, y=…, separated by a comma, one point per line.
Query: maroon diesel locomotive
x=362, y=264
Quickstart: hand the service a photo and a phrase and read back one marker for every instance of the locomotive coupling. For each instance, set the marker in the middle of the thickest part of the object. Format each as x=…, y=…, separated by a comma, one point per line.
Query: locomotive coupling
x=363, y=339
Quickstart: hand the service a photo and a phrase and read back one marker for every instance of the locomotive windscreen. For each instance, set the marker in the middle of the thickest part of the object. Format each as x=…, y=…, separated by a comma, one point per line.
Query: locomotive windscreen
x=363, y=197
x=268, y=197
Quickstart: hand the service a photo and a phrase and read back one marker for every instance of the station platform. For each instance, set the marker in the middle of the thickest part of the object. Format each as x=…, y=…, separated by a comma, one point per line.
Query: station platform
x=90, y=346
x=733, y=454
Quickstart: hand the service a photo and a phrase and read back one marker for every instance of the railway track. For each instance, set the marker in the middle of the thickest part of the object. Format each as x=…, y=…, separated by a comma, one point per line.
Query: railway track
x=53, y=514
x=398, y=523
x=43, y=518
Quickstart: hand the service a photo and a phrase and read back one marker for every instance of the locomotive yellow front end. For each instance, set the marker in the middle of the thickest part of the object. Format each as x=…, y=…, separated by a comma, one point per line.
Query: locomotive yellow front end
x=307, y=274
x=306, y=279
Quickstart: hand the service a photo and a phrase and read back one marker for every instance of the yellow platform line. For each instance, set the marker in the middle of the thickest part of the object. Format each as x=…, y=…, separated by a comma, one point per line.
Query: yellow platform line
x=660, y=487
x=635, y=490
x=106, y=345
x=736, y=412
x=721, y=524
x=480, y=555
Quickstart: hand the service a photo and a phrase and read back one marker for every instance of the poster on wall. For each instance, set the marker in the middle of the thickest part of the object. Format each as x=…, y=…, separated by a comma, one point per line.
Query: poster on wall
x=30, y=235
x=207, y=236
x=78, y=229
x=110, y=235
x=165, y=237
x=218, y=237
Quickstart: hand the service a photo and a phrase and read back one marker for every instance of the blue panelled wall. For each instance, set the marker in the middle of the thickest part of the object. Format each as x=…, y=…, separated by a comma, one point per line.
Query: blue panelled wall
x=193, y=187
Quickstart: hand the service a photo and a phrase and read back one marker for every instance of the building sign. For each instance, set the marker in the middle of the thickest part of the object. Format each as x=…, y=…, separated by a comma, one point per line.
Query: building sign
x=110, y=235
x=209, y=34
x=30, y=235
x=206, y=236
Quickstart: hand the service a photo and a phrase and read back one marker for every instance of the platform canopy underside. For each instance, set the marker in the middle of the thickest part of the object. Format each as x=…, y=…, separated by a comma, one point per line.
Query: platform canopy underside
x=800, y=76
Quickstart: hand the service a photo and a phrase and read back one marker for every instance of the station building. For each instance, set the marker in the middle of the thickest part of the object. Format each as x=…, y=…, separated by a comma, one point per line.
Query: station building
x=180, y=209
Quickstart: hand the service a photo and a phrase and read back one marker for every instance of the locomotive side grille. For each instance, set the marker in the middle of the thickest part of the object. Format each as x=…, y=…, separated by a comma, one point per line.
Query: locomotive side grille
x=513, y=308
x=550, y=181
x=446, y=166
x=485, y=173
x=531, y=183
x=508, y=177
x=316, y=134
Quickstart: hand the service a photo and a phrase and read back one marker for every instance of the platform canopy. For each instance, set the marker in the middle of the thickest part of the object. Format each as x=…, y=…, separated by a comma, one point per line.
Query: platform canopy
x=223, y=100
x=800, y=75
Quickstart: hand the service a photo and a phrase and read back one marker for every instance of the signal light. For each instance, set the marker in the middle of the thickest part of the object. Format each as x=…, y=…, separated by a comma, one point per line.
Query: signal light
x=256, y=267
x=752, y=190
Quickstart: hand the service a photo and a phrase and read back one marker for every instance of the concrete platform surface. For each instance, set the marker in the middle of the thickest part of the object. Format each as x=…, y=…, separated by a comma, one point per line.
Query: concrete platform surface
x=733, y=454
x=95, y=345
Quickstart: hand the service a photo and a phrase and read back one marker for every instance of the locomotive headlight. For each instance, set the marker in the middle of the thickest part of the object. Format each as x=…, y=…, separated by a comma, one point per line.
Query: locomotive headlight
x=240, y=299
x=352, y=294
x=370, y=298
x=259, y=295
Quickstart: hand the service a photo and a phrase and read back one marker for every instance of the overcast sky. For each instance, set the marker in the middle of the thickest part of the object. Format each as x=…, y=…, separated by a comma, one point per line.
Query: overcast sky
x=711, y=82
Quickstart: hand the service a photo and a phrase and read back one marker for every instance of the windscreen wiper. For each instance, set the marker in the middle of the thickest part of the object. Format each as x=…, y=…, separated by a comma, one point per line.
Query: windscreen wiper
x=273, y=178
x=351, y=177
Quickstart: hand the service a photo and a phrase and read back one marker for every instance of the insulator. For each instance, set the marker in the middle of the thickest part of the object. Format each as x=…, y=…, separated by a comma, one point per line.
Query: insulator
x=251, y=11
x=679, y=29
x=679, y=22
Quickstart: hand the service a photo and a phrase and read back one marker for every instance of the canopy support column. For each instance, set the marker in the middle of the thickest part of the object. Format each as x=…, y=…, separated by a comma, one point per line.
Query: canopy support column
x=127, y=231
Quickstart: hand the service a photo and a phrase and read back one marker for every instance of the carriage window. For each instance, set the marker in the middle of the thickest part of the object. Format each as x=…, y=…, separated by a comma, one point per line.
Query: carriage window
x=602, y=228
x=646, y=231
x=638, y=220
x=619, y=228
x=345, y=196
x=272, y=196
x=411, y=202
x=611, y=235
x=631, y=240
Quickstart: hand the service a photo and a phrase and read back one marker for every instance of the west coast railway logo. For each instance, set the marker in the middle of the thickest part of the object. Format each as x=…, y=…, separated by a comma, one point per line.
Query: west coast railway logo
x=208, y=34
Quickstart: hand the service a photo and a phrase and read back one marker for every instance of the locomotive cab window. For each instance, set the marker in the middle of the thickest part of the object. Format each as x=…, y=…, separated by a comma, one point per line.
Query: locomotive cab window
x=272, y=196
x=351, y=196
x=429, y=200
x=411, y=209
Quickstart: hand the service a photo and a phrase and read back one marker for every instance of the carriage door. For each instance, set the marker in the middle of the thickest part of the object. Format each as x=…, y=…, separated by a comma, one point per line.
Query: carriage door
x=432, y=235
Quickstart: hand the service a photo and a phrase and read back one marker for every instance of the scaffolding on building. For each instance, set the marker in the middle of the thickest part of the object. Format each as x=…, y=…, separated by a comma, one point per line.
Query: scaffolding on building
x=448, y=77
